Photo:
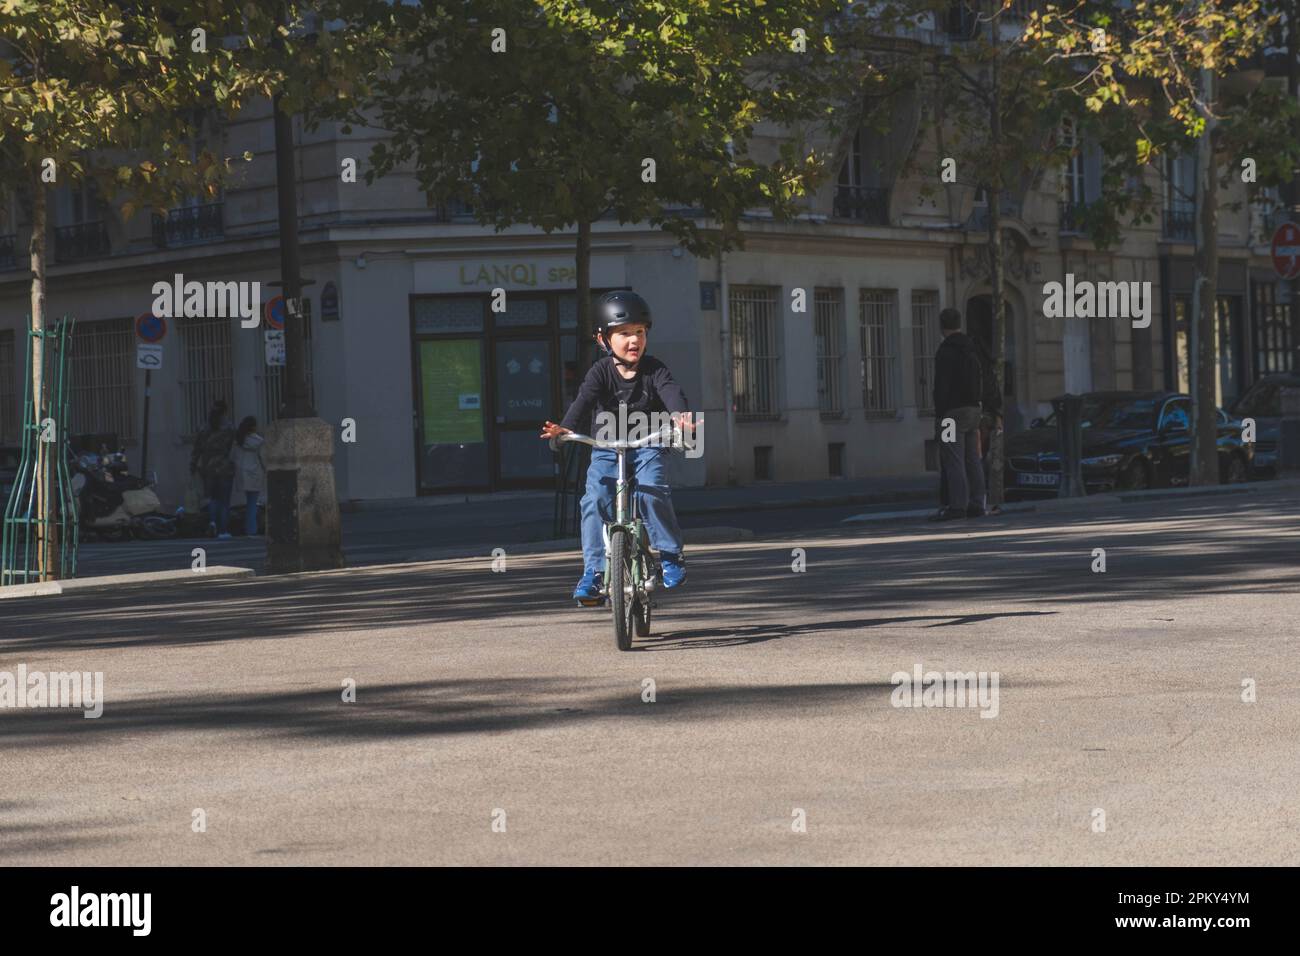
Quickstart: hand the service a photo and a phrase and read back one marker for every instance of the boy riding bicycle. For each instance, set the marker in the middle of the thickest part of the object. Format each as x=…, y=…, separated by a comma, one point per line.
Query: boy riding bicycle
x=627, y=376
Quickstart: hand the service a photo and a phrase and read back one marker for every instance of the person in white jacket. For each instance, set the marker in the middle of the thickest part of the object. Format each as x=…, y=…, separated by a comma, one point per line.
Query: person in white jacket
x=250, y=472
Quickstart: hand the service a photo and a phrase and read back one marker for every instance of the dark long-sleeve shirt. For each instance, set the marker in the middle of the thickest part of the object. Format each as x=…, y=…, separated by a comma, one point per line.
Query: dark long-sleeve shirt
x=652, y=389
x=957, y=378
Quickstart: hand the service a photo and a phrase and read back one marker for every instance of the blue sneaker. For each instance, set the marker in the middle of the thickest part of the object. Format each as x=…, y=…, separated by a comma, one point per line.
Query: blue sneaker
x=674, y=570
x=587, y=593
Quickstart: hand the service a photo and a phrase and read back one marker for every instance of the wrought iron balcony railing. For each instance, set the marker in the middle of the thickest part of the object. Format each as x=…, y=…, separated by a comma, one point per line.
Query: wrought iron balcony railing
x=82, y=240
x=979, y=217
x=189, y=224
x=1071, y=216
x=867, y=204
x=1180, y=224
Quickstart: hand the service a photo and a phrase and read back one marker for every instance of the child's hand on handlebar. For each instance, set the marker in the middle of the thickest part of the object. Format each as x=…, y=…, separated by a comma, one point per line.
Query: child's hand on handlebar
x=552, y=431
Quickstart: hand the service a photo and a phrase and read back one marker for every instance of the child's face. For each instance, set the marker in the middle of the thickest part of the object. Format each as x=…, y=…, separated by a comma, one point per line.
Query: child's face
x=628, y=342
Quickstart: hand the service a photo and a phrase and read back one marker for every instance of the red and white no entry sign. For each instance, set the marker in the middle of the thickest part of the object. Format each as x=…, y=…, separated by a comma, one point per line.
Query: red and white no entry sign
x=1286, y=250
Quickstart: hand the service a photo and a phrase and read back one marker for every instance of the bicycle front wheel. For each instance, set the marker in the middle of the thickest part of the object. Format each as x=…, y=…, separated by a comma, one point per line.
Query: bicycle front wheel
x=622, y=599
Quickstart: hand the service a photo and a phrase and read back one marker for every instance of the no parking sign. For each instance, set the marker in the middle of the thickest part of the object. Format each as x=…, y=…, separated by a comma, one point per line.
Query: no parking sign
x=274, y=313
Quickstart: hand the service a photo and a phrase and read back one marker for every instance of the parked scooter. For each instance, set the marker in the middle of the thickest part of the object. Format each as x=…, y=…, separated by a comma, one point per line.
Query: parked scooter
x=114, y=504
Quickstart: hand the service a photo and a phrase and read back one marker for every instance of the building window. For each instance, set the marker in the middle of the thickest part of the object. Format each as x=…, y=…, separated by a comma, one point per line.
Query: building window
x=1072, y=185
x=101, y=377
x=835, y=459
x=877, y=325
x=1275, y=330
x=828, y=308
x=198, y=218
x=754, y=352
x=961, y=20
x=207, y=369
x=1227, y=338
x=925, y=342
x=1080, y=177
x=859, y=192
x=80, y=232
x=270, y=381
x=8, y=389
x=8, y=230
x=1180, y=197
x=763, y=463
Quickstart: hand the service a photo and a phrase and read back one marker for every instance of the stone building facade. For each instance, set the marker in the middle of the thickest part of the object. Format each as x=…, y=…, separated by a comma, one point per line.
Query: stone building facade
x=447, y=396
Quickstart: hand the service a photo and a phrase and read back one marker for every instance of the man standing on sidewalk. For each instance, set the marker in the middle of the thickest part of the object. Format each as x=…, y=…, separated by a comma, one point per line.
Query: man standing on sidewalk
x=957, y=393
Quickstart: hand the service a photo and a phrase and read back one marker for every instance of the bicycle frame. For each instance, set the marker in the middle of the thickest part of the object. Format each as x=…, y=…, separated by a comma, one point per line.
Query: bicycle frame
x=625, y=515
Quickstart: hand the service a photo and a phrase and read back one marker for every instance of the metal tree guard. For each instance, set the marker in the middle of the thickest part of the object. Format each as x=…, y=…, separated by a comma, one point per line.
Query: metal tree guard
x=26, y=528
x=570, y=485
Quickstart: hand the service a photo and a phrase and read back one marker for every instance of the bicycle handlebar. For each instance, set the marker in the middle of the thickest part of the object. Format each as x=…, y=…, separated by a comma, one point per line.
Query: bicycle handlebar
x=670, y=434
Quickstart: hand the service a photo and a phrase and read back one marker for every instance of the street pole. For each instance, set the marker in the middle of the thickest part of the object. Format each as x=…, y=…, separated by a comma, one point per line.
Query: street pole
x=297, y=403
x=303, y=531
x=144, y=441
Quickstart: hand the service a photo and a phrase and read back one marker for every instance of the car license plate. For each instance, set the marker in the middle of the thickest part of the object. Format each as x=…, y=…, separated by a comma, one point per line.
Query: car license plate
x=1029, y=479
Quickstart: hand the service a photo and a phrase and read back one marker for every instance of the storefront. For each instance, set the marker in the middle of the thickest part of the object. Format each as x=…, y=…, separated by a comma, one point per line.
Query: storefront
x=490, y=368
x=1274, y=324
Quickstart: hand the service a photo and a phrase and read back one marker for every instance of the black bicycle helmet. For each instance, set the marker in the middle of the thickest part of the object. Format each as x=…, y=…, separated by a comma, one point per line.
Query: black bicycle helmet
x=620, y=308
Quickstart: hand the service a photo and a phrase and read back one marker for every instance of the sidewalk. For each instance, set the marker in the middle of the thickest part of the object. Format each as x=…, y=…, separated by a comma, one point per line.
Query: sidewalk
x=766, y=495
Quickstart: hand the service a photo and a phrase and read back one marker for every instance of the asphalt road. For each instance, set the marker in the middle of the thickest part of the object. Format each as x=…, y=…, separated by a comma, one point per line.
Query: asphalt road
x=485, y=696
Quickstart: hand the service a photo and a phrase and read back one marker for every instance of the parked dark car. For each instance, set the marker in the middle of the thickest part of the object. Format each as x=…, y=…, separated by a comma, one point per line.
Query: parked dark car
x=1131, y=441
x=1263, y=402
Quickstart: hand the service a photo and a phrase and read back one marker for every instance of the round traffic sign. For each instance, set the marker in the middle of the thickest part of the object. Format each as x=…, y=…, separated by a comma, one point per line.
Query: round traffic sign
x=150, y=327
x=1286, y=250
x=274, y=313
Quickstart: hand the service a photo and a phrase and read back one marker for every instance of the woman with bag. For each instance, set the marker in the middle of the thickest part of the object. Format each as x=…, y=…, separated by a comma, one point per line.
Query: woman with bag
x=247, y=455
x=211, y=460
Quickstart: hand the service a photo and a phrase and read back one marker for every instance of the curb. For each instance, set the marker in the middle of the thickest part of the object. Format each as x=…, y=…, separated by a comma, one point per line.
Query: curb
x=1054, y=505
x=830, y=501
x=356, y=506
x=123, y=582
x=1156, y=494
x=691, y=536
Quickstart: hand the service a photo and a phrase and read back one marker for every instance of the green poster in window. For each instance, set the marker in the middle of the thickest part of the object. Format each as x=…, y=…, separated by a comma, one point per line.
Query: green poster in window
x=451, y=380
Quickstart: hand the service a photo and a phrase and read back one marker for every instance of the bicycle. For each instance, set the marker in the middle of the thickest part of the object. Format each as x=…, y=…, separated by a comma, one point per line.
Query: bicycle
x=631, y=571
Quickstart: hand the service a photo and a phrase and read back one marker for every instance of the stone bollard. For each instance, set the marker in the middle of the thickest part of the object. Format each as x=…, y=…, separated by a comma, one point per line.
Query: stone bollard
x=1288, y=435
x=303, y=532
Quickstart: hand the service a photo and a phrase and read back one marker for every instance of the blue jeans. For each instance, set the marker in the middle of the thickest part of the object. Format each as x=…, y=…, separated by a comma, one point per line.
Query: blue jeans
x=654, y=502
x=250, y=512
x=219, y=503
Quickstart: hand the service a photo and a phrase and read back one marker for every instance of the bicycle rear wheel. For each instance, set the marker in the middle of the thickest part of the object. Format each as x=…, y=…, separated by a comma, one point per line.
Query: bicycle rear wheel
x=622, y=598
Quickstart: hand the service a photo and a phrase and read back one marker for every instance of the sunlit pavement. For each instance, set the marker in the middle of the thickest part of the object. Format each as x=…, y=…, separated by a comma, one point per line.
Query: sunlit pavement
x=484, y=696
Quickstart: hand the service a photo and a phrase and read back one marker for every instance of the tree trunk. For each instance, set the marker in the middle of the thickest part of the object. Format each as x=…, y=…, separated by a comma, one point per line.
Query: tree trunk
x=1293, y=196
x=994, y=192
x=1204, y=469
x=46, y=566
x=586, y=347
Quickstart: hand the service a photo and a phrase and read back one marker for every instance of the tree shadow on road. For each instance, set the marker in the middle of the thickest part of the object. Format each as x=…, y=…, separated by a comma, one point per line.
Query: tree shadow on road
x=708, y=637
x=741, y=594
x=434, y=708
